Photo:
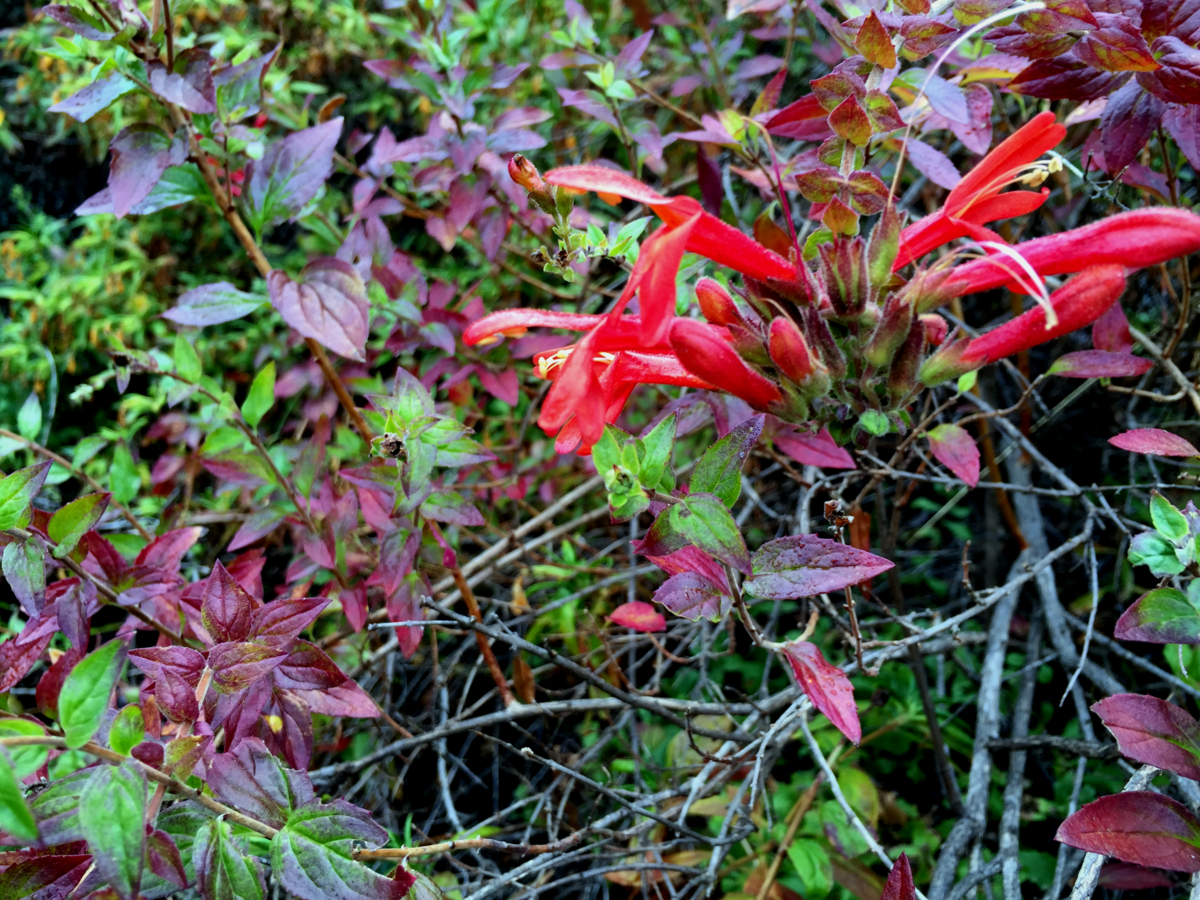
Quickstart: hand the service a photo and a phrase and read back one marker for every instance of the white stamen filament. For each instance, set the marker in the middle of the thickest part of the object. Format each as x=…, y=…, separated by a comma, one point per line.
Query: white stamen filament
x=1027, y=278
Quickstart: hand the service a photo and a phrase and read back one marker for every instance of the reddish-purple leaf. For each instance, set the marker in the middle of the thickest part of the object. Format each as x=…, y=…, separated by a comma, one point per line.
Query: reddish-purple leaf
x=955, y=449
x=814, y=449
x=501, y=385
x=1153, y=441
x=94, y=98
x=639, y=616
x=86, y=26
x=1130, y=117
x=976, y=134
x=250, y=779
x=1064, y=78
x=328, y=304
x=806, y=565
x=693, y=597
x=1153, y=732
x=308, y=668
x=140, y=155
x=1120, y=876
x=826, y=686
x=689, y=559
x=1110, y=332
x=346, y=699
x=213, y=304
x=452, y=508
x=190, y=85
x=1100, y=364
x=227, y=610
x=44, y=877
x=900, y=881
x=167, y=550
x=1138, y=827
x=258, y=526
x=239, y=713
x=279, y=623
x=291, y=172
x=1162, y=616
x=183, y=662
x=18, y=654
x=164, y=859
x=1183, y=124
x=176, y=697
x=24, y=565
x=71, y=608
x=238, y=664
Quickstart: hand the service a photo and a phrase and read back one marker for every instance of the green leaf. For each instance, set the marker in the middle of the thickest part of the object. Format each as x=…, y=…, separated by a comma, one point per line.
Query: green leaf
x=719, y=471
x=607, y=452
x=73, y=521
x=261, y=397
x=187, y=363
x=128, y=729
x=29, y=417
x=1148, y=549
x=25, y=760
x=966, y=381
x=224, y=868
x=15, y=815
x=1168, y=521
x=85, y=692
x=658, y=444
x=706, y=522
x=112, y=809
x=874, y=422
x=17, y=492
x=123, y=478
x=812, y=864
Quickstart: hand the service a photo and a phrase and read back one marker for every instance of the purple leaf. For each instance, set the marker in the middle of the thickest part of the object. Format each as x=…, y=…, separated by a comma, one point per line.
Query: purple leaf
x=328, y=304
x=239, y=714
x=826, y=686
x=44, y=877
x=1153, y=441
x=347, y=698
x=693, y=597
x=976, y=133
x=814, y=449
x=94, y=98
x=626, y=63
x=258, y=526
x=900, y=881
x=176, y=697
x=308, y=668
x=1137, y=827
x=86, y=26
x=183, y=662
x=520, y=117
x=639, y=616
x=1162, y=616
x=806, y=565
x=277, y=624
x=1183, y=124
x=933, y=164
x=140, y=155
x=167, y=550
x=312, y=856
x=290, y=173
x=955, y=449
x=190, y=85
x=254, y=781
x=1129, y=118
x=24, y=564
x=515, y=141
x=586, y=102
x=227, y=611
x=702, y=521
x=1119, y=876
x=452, y=508
x=1153, y=732
x=1110, y=332
x=757, y=66
x=946, y=99
x=1100, y=364
x=238, y=664
x=164, y=859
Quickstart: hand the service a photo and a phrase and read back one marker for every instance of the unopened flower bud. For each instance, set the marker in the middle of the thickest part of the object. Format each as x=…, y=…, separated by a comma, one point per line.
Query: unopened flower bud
x=716, y=304
x=947, y=362
x=822, y=340
x=935, y=328
x=902, y=377
x=525, y=173
x=790, y=351
x=891, y=331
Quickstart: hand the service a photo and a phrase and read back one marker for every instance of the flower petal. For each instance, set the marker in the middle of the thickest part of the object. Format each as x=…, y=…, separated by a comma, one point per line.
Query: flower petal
x=711, y=358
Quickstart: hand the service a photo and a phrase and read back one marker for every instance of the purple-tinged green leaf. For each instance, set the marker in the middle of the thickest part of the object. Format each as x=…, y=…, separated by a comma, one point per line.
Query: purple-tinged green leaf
x=184, y=753
x=213, y=304
x=1153, y=732
x=86, y=26
x=86, y=692
x=693, y=597
x=225, y=870
x=806, y=565
x=72, y=521
x=94, y=98
x=164, y=860
x=239, y=88
x=17, y=491
x=1100, y=364
x=127, y=730
x=328, y=304
x=16, y=818
x=452, y=508
x=44, y=877
x=57, y=808
x=254, y=781
x=703, y=521
x=826, y=686
x=24, y=564
x=1139, y=827
x=1162, y=616
x=112, y=809
x=238, y=664
x=190, y=85
x=227, y=610
x=719, y=470
x=312, y=855
x=178, y=185
x=954, y=448
x=141, y=154
x=290, y=173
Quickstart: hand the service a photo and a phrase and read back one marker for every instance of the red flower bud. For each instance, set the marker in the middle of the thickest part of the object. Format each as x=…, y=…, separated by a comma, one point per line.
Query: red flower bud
x=1081, y=301
x=716, y=304
x=709, y=356
x=525, y=173
x=935, y=328
x=790, y=351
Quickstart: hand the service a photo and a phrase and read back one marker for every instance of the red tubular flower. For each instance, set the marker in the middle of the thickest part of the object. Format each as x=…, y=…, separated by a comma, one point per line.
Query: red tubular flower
x=977, y=198
x=1079, y=302
x=716, y=304
x=711, y=237
x=704, y=352
x=1144, y=237
x=653, y=279
x=790, y=351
